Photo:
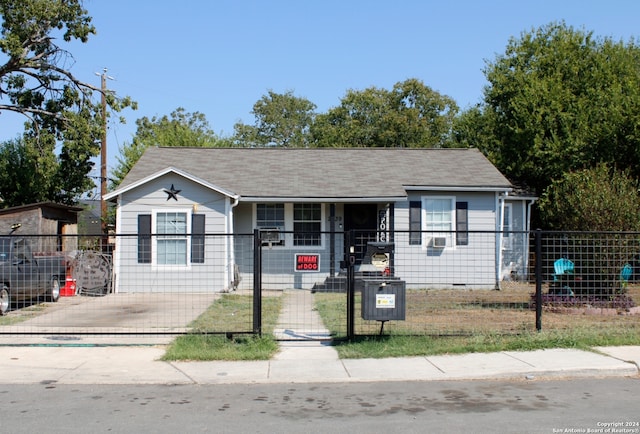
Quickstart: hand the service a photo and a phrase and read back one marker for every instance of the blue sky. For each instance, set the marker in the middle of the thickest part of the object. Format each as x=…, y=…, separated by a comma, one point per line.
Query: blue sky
x=219, y=57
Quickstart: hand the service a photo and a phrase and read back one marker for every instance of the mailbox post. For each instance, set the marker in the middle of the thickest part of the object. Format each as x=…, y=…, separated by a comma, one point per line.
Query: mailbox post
x=384, y=301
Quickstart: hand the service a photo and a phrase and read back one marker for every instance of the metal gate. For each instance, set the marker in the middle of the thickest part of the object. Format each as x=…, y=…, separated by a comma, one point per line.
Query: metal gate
x=311, y=285
x=327, y=304
x=142, y=300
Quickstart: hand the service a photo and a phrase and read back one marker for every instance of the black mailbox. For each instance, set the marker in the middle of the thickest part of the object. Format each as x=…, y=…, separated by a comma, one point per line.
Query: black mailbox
x=378, y=254
x=383, y=300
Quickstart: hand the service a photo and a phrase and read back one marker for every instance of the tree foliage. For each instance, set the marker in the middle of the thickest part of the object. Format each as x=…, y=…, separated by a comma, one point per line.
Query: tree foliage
x=181, y=128
x=36, y=81
x=601, y=198
x=280, y=120
x=474, y=128
x=409, y=115
x=560, y=100
x=27, y=172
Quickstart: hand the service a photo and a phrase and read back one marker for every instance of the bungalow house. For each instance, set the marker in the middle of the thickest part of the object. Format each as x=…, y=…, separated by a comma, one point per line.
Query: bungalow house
x=182, y=212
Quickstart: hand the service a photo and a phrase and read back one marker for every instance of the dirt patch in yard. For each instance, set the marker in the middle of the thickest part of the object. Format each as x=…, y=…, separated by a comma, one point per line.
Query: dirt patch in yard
x=509, y=310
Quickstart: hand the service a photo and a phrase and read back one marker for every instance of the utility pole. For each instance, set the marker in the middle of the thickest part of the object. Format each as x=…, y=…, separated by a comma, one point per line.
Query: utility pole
x=103, y=152
x=103, y=155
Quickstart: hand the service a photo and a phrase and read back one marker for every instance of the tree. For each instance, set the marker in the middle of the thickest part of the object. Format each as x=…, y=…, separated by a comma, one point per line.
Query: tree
x=601, y=198
x=473, y=128
x=35, y=81
x=26, y=173
x=597, y=199
x=179, y=129
x=281, y=120
x=561, y=100
x=410, y=115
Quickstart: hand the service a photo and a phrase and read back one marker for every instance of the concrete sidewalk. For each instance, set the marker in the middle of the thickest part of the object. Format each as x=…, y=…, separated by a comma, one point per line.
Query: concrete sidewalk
x=140, y=365
x=84, y=360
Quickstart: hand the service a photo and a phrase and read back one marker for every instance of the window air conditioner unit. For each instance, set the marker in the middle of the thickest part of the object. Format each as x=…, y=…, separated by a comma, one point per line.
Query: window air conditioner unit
x=439, y=242
x=270, y=235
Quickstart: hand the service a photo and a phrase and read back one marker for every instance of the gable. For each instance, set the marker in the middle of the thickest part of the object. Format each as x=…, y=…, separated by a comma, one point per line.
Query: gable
x=124, y=188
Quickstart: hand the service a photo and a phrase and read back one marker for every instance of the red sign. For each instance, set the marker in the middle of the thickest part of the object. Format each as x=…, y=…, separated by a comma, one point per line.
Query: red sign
x=307, y=262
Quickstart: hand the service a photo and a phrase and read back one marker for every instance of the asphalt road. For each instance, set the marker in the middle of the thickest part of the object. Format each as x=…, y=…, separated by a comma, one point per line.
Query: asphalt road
x=585, y=405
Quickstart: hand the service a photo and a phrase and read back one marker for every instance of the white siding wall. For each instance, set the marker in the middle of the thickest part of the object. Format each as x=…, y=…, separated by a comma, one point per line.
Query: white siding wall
x=150, y=198
x=470, y=266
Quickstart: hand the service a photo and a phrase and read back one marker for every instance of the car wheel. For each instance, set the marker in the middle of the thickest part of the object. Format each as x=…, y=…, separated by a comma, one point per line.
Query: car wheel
x=5, y=300
x=54, y=290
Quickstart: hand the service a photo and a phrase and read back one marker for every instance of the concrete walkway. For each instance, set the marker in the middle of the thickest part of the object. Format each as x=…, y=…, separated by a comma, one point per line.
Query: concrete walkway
x=298, y=319
x=301, y=332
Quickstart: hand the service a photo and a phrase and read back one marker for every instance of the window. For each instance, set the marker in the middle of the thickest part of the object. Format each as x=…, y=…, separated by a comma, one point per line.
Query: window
x=415, y=223
x=507, y=228
x=439, y=219
x=171, y=240
x=171, y=229
x=462, y=223
x=307, y=224
x=270, y=216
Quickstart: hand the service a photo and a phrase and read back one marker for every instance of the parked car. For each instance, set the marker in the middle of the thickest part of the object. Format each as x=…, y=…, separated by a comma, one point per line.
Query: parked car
x=24, y=277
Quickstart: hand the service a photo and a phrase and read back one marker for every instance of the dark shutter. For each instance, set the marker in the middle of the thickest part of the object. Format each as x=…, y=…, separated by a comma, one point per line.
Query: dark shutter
x=462, y=223
x=197, y=238
x=144, y=238
x=415, y=223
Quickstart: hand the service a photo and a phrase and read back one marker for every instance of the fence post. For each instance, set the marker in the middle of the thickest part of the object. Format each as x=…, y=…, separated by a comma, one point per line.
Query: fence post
x=257, y=283
x=350, y=263
x=538, y=279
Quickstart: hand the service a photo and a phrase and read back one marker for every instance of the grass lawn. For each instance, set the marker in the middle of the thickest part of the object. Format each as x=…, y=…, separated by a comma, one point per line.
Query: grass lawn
x=463, y=321
x=438, y=322
x=407, y=346
x=230, y=312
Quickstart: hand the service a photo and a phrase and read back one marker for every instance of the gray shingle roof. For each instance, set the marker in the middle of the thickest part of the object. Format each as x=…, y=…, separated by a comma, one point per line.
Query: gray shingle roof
x=323, y=172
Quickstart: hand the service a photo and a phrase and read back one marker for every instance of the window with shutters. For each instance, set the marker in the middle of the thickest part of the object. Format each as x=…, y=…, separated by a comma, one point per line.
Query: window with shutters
x=439, y=222
x=438, y=219
x=170, y=242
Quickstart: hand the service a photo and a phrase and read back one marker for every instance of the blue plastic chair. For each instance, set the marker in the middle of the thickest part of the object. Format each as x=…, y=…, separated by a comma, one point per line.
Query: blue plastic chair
x=563, y=267
x=625, y=275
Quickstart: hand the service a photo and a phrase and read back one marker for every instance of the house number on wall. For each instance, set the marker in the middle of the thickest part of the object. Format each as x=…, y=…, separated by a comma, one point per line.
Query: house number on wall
x=382, y=225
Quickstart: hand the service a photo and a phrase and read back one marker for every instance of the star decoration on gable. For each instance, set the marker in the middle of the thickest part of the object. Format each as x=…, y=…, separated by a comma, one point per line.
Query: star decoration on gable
x=172, y=193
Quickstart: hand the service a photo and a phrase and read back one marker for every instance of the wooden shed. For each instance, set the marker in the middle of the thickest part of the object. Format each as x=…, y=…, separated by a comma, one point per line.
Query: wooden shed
x=45, y=218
